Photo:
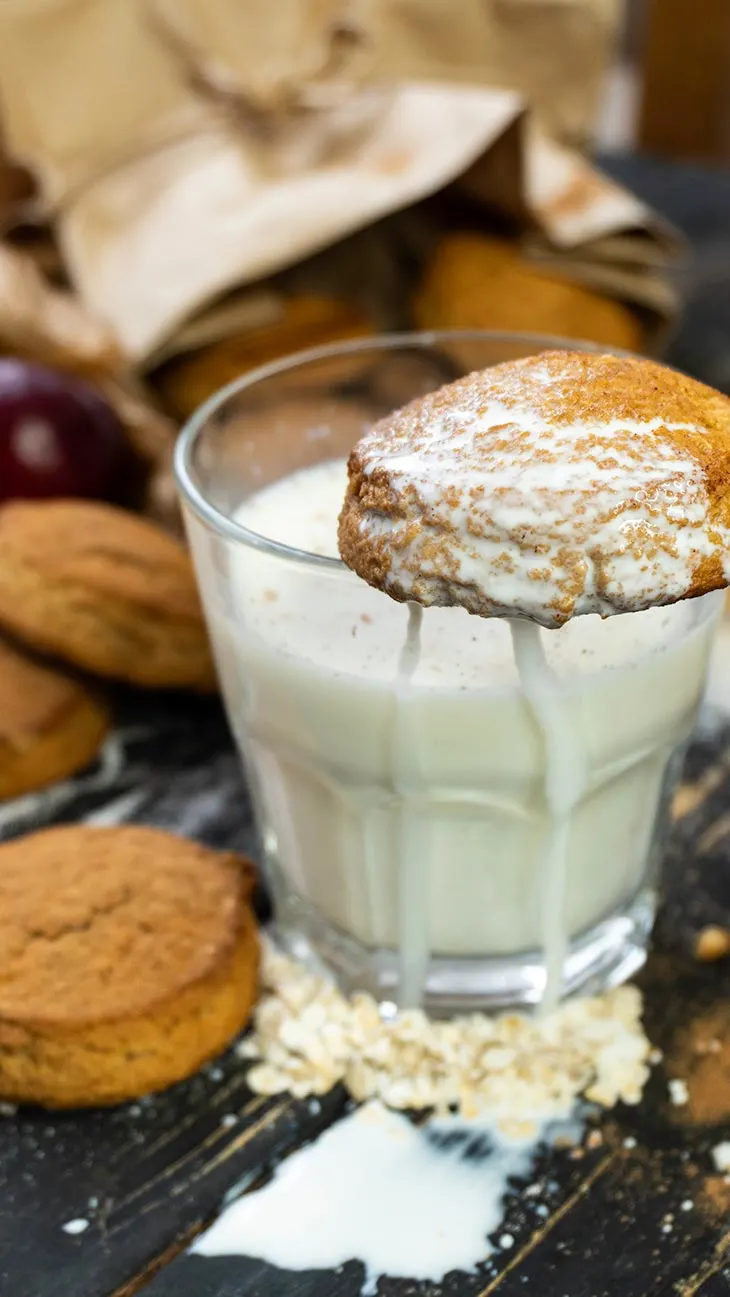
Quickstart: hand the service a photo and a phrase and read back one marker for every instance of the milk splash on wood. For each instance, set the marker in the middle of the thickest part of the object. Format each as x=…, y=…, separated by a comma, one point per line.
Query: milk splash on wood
x=408, y=1202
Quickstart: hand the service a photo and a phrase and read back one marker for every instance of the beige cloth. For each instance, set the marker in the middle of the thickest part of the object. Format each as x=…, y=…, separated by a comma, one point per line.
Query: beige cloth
x=188, y=147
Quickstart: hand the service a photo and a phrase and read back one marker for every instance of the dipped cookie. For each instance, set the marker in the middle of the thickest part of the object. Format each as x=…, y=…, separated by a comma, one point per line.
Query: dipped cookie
x=557, y=485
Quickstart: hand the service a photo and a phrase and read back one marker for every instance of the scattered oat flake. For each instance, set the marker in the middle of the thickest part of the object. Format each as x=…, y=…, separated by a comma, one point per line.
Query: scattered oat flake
x=721, y=1155
x=309, y=1037
x=678, y=1092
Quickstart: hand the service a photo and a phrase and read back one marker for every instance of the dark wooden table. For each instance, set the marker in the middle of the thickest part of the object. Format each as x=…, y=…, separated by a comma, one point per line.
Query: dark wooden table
x=149, y=1176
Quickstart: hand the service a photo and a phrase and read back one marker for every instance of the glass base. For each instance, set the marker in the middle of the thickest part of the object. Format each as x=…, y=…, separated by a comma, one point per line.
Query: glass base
x=604, y=957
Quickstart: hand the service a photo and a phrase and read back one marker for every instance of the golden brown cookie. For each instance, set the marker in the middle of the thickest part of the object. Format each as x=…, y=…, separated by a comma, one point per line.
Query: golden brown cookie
x=557, y=485
x=50, y=725
x=104, y=590
x=712, y=943
x=129, y=957
x=477, y=282
x=187, y=381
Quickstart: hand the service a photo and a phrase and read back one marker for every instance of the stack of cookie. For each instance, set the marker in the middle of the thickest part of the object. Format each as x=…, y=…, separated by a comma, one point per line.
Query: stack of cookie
x=129, y=956
x=450, y=279
x=97, y=590
x=413, y=271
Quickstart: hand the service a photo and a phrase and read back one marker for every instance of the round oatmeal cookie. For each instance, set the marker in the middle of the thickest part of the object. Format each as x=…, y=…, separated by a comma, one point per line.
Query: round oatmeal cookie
x=478, y=282
x=104, y=590
x=50, y=725
x=548, y=487
x=129, y=957
x=185, y=382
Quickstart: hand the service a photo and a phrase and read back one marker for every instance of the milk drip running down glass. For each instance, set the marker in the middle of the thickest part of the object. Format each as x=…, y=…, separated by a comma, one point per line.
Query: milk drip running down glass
x=455, y=811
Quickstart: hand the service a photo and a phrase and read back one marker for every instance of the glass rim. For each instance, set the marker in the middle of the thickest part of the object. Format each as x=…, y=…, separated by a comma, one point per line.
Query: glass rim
x=195, y=426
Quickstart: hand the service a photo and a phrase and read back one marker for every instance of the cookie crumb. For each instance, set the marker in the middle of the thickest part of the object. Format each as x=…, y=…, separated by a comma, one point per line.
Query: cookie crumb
x=712, y=943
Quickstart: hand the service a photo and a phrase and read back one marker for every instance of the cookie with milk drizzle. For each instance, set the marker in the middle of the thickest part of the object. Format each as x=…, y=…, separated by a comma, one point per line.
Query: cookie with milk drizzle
x=549, y=487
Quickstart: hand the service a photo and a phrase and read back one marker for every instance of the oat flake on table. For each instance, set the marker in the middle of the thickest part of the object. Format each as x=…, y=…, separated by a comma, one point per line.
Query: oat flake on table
x=308, y=1037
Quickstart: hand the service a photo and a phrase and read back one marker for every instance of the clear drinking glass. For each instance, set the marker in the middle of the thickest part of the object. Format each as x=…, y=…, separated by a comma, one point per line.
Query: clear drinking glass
x=402, y=832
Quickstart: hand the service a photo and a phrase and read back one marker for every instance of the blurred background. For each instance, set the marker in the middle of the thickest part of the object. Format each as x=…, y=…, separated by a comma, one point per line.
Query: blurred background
x=668, y=90
x=663, y=127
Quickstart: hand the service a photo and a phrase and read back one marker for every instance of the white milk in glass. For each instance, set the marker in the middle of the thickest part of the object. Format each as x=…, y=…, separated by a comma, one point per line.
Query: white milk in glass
x=404, y=779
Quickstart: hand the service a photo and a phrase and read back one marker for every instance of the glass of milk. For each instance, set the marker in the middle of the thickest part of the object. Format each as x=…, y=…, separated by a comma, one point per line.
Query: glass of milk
x=402, y=814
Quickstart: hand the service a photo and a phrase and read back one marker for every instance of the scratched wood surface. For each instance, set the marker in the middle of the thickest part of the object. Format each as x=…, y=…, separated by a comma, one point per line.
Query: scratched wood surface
x=149, y=1176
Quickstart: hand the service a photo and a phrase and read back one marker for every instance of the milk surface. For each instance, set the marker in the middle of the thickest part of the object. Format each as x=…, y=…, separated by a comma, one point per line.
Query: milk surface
x=407, y=795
